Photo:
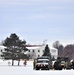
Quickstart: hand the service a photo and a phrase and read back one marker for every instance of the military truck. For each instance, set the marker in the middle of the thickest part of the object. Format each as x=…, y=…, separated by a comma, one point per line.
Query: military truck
x=72, y=64
x=43, y=63
x=62, y=63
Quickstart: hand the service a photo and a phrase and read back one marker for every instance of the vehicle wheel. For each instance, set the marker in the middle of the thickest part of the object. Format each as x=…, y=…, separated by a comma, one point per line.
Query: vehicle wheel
x=37, y=68
x=48, y=69
x=60, y=68
x=42, y=69
x=73, y=68
x=56, y=66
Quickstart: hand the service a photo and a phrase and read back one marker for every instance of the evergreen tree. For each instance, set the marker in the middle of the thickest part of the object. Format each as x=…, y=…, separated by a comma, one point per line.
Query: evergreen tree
x=15, y=48
x=47, y=51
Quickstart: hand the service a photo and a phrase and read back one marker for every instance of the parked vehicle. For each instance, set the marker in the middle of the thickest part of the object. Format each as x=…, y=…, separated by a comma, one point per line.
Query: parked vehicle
x=43, y=63
x=62, y=63
x=72, y=64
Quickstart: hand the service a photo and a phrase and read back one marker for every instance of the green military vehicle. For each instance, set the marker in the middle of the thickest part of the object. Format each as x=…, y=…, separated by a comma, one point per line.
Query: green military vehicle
x=43, y=63
x=72, y=64
x=62, y=63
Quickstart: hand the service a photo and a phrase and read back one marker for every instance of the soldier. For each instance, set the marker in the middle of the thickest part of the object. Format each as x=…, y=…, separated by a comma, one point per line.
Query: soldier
x=25, y=62
x=34, y=63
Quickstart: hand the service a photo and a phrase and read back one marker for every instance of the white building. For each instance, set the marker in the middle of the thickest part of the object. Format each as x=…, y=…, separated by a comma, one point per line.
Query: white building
x=2, y=49
x=54, y=52
x=37, y=51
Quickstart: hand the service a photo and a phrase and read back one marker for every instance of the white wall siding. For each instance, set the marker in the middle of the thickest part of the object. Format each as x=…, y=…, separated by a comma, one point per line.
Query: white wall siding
x=38, y=51
x=2, y=49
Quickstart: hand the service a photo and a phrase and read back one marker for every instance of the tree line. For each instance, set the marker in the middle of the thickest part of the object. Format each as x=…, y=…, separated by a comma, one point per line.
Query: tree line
x=67, y=51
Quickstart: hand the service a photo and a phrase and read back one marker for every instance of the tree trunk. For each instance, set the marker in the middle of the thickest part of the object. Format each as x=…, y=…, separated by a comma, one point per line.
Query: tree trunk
x=18, y=62
x=12, y=62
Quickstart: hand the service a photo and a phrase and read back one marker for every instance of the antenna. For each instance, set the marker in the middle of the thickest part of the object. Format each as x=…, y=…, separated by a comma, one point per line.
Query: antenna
x=45, y=41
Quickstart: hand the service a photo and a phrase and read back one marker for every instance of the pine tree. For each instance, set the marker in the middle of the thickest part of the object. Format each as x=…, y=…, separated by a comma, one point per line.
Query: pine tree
x=15, y=48
x=47, y=51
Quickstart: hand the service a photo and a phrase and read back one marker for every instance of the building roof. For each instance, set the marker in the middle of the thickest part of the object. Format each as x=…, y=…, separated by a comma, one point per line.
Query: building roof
x=32, y=47
x=3, y=47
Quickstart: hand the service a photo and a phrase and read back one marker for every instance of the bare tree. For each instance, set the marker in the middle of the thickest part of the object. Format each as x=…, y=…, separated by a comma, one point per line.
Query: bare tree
x=59, y=47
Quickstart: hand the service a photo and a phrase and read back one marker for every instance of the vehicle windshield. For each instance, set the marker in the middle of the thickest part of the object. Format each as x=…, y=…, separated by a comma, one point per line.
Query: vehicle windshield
x=42, y=61
x=62, y=62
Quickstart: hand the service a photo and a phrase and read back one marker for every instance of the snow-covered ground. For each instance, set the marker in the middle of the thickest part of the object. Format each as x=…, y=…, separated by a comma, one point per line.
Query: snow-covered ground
x=5, y=69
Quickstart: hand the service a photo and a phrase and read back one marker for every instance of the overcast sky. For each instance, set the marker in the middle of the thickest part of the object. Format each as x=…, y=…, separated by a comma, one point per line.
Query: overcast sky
x=37, y=20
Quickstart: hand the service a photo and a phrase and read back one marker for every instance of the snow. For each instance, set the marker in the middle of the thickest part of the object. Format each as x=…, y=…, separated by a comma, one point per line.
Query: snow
x=2, y=47
x=6, y=69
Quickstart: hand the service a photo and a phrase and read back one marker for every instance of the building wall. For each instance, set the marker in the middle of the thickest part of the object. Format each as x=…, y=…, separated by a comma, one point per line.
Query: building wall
x=54, y=53
x=35, y=52
x=2, y=49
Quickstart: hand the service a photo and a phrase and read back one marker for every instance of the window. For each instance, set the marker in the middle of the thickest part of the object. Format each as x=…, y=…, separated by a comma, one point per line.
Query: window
x=1, y=55
x=29, y=55
x=43, y=50
x=29, y=50
x=1, y=50
x=33, y=50
x=38, y=50
x=38, y=55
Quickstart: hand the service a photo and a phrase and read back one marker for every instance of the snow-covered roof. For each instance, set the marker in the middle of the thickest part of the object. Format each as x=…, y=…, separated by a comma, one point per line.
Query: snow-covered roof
x=3, y=47
x=32, y=47
x=26, y=52
x=39, y=47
